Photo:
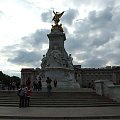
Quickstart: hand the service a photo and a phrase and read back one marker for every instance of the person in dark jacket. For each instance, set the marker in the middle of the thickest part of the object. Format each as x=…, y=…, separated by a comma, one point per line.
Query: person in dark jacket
x=55, y=83
x=22, y=94
x=49, y=87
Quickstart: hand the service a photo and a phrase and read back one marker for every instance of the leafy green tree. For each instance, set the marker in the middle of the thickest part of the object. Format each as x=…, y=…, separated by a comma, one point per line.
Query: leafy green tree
x=6, y=79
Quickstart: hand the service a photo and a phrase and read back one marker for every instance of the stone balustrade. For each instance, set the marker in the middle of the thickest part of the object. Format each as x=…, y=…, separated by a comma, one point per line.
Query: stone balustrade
x=108, y=88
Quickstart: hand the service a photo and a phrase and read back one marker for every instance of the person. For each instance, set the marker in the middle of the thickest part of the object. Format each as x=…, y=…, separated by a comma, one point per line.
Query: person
x=13, y=85
x=39, y=84
x=55, y=83
x=10, y=85
x=28, y=96
x=22, y=94
x=49, y=87
x=35, y=85
x=28, y=82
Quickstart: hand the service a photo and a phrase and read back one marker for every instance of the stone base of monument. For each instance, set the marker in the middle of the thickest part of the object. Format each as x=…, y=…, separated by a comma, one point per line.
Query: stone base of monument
x=64, y=76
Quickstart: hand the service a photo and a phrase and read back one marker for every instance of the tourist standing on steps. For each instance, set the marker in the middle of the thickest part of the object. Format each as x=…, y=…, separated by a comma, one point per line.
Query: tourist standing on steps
x=28, y=82
x=28, y=96
x=39, y=84
x=55, y=83
x=22, y=94
x=49, y=87
x=35, y=85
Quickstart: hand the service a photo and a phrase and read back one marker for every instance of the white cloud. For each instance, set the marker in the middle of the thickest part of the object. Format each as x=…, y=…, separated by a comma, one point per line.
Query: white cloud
x=93, y=42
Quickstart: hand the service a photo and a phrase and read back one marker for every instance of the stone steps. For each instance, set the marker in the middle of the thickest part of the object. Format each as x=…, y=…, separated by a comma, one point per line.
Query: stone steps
x=58, y=99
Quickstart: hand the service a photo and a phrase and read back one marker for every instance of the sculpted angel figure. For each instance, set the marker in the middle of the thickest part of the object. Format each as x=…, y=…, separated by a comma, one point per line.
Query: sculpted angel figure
x=70, y=64
x=44, y=62
x=57, y=16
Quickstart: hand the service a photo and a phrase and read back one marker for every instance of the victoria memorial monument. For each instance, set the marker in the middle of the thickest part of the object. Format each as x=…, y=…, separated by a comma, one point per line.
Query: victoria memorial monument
x=57, y=64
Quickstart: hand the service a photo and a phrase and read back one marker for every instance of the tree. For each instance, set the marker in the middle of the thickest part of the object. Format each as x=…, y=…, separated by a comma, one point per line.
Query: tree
x=6, y=79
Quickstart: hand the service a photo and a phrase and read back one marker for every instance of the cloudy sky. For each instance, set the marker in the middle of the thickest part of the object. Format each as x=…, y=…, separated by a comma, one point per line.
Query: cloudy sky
x=92, y=29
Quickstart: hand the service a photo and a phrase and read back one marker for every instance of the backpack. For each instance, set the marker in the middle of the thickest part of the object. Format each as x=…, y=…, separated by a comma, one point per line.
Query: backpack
x=18, y=92
x=21, y=92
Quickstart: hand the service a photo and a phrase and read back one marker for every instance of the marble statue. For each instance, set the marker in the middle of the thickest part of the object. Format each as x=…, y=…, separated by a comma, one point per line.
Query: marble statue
x=70, y=64
x=57, y=63
x=55, y=58
x=44, y=62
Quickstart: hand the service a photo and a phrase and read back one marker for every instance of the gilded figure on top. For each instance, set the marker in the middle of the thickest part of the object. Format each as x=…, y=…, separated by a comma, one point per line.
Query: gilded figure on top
x=57, y=17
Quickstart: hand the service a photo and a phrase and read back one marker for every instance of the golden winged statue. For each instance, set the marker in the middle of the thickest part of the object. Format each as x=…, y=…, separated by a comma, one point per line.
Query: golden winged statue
x=57, y=17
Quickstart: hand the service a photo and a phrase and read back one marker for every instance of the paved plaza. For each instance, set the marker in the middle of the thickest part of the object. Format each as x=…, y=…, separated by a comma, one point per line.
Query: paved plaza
x=60, y=113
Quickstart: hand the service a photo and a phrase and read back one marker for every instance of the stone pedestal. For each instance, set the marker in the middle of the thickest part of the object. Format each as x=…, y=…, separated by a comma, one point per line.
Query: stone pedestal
x=64, y=76
x=57, y=64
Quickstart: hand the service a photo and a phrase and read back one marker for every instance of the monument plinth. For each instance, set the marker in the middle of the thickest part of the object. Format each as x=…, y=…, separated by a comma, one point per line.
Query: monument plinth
x=57, y=64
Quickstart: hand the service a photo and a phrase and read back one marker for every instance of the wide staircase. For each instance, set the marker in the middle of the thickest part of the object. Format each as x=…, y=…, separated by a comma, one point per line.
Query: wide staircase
x=59, y=99
x=84, y=98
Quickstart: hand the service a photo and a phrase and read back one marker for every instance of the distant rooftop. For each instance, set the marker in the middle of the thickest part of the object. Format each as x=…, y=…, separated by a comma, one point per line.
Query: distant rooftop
x=101, y=68
x=27, y=70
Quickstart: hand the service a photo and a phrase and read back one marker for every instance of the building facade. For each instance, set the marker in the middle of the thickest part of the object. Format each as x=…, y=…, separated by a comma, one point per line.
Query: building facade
x=85, y=76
